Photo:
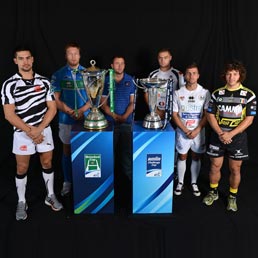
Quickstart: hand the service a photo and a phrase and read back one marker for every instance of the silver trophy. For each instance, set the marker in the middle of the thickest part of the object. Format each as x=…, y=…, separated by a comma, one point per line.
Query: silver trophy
x=93, y=79
x=151, y=120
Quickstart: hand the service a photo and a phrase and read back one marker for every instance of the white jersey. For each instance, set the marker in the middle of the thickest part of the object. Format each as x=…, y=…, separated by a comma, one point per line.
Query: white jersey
x=172, y=74
x=190, y=105
x=28, y=96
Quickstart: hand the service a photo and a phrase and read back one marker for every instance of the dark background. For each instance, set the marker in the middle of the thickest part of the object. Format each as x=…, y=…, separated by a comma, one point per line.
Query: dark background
x=206, y=31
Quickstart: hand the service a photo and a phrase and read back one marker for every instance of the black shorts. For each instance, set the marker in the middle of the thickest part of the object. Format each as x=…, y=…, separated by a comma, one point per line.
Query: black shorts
x=237, y=149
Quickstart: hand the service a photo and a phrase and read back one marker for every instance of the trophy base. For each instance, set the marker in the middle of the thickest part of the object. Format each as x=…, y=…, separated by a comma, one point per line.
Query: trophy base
x=95, y=120
x=152, y=122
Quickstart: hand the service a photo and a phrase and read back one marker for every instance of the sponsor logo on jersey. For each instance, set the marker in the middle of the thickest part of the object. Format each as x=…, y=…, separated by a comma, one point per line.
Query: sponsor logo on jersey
x=191, y=99
x=230, y=122
x=231, y=109
x=23, y=148
x=243, y=93
x=37, y=88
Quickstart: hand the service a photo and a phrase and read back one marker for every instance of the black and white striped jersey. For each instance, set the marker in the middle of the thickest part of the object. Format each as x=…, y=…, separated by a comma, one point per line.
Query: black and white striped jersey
x=28, y=96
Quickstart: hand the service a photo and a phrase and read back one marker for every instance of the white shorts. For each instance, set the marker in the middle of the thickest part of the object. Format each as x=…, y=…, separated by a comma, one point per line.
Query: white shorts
x=24, y=145
x=65, y=133
x=184, y=144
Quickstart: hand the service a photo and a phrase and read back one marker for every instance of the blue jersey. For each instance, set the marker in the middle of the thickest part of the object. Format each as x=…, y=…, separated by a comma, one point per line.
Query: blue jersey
x=72, y=94
x=123, y=90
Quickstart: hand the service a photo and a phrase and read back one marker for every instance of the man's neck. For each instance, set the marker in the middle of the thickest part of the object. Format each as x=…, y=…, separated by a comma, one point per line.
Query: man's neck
x=27, y=75
x=165, y=68
x=191, y=86
x=119, y=77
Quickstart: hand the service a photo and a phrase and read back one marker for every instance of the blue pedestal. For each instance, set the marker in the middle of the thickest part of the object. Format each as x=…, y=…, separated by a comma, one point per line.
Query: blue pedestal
x=93, y=170
x=153, y=167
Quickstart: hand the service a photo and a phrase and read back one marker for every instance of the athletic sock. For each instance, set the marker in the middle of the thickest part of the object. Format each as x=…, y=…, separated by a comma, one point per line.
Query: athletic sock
x=195, y=170
x=214, y=187
x=181, y=167
x=233, y=191
x=48, y=175
x=21, y=182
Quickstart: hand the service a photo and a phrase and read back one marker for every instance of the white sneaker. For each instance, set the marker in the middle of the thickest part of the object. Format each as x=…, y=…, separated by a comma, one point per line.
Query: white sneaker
x=66, y=188
x=195, y=188
x=179, y=189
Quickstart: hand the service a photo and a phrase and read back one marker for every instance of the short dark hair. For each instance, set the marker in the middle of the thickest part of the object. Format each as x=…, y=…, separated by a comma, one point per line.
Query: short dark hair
x=72, y=44
x=20, y=48
x=116, y=56
x=165, y=49
x=234, y=65
x=192, y=65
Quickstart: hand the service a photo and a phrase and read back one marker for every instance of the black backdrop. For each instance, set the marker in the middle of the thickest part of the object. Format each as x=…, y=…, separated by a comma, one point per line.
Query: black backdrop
x=207, y=31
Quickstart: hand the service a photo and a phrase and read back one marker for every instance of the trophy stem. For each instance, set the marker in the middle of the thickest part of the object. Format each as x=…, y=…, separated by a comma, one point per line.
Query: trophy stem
x=152, y=121
x=95, y=120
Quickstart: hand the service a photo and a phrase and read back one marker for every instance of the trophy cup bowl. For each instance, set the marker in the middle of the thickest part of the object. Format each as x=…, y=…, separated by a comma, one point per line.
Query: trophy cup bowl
x=93, y=79
x=152, y=120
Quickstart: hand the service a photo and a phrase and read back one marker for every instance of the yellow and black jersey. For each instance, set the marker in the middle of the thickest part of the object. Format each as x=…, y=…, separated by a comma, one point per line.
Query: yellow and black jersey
x=232, y=106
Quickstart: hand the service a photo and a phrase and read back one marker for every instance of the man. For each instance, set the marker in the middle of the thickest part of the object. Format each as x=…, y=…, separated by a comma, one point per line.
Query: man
x=122, y=116
x=190, y=103
x=29, y=106
x=165, y=71
x=231, y=111
x=72, y=103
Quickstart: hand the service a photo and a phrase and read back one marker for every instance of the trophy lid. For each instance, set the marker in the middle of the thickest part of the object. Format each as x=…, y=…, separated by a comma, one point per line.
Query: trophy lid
x=92, y=68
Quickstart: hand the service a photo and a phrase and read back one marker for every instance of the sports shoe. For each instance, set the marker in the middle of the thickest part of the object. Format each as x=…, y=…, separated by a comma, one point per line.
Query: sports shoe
x=195, y=188
x=179, y=189
x=66, y=188
x=232, y=205
x=210, y=198
x=21, y=213
x=53, y=202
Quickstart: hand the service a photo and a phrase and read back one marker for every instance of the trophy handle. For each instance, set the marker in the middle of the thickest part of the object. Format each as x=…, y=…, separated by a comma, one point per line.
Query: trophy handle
x=104, y=100
x=137, y=83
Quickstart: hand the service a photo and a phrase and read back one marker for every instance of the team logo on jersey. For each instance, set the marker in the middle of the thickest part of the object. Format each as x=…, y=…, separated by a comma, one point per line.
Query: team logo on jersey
x=37, y=88
x=23, y=148
x=201, y=97
x=219, y=99
x=182, y=98
x=221, y=92
x=127, y=83
x=243, y=93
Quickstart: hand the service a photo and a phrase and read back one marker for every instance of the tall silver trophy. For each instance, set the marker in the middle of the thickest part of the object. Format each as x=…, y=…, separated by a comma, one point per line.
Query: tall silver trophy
x=93, y=79
x=151, y=120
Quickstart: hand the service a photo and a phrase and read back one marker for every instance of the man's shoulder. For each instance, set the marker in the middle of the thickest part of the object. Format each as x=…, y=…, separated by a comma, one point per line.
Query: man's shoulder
x=62, y=69
x=13, y=78
x=128, y=76
x=154, y=73
x=40, y=77
x=219, y=90
x=247, y=90
x=173, y=69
